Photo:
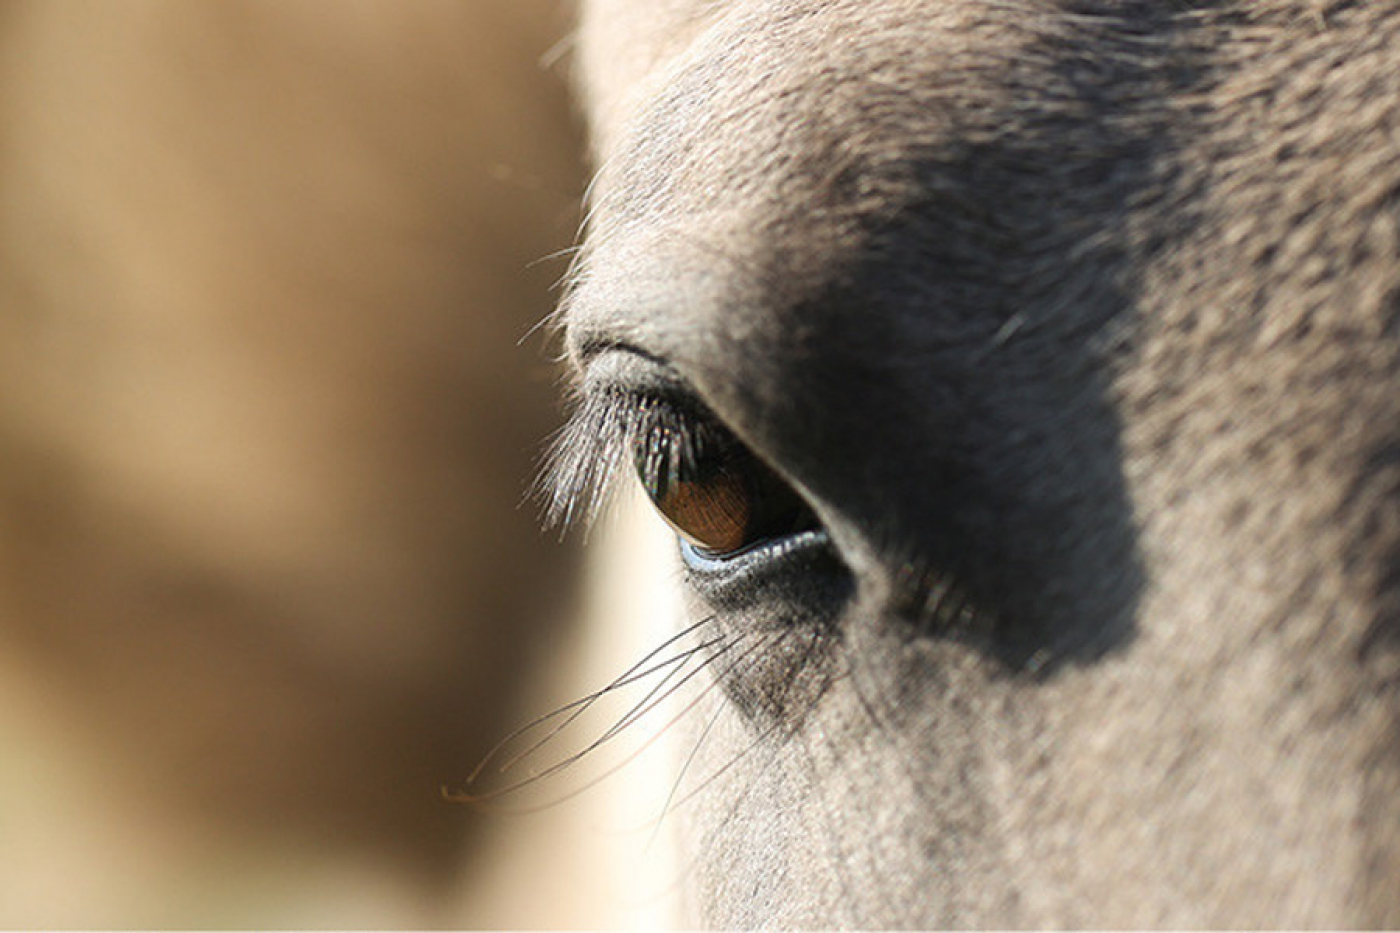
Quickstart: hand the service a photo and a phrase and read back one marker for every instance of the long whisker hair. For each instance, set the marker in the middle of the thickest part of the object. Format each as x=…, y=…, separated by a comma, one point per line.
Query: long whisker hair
x=670, y=675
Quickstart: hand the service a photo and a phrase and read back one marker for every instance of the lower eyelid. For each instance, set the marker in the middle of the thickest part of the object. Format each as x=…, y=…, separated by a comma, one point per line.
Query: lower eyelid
x=764, y=551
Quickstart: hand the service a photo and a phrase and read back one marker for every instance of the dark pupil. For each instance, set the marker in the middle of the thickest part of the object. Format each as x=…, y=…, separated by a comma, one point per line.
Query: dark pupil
x=727, y=502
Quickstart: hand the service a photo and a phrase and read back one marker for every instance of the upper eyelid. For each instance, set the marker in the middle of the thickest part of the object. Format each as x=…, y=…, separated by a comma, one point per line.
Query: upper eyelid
x=611, y=365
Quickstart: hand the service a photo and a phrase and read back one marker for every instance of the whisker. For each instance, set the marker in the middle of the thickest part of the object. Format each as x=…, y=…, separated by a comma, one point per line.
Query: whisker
x=627, y=677
x=758, y=742
x=569, y=251
x=638, y=710
x=744, y=753
x=773, y=641
x=680, y=776
x=659, y=732
x=675, y=664
x=727, y=645
x=574, y=758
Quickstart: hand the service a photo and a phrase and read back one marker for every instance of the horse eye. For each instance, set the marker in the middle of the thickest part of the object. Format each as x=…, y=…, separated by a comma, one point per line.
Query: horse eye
x=727, y=501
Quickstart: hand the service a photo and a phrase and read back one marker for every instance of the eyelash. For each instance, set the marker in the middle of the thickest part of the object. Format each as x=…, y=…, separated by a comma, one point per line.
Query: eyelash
x=601, y=441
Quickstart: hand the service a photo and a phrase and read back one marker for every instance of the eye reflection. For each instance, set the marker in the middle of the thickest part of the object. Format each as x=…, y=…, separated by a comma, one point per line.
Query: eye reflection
x=711, y=511
x=725, y=501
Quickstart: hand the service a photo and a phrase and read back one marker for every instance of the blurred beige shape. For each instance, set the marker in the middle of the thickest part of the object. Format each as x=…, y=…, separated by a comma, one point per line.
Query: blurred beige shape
x=266, y=582
x=592, y=848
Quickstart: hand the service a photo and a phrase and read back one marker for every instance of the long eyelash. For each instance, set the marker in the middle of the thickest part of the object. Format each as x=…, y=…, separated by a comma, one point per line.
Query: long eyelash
x=610, y=431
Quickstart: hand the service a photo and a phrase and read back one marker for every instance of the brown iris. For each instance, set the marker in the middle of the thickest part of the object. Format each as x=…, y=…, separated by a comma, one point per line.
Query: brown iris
x=728, y=501
x=711, y=511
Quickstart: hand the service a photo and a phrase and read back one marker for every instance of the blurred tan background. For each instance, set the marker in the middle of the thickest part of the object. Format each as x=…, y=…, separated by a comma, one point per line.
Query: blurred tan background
x=266, y=422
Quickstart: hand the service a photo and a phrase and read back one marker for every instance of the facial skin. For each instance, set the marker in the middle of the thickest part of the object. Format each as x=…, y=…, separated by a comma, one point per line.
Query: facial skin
x=1073, y=326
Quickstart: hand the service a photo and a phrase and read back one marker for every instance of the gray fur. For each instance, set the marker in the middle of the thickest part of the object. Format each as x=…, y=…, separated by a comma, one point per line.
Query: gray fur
x=1082, y=310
